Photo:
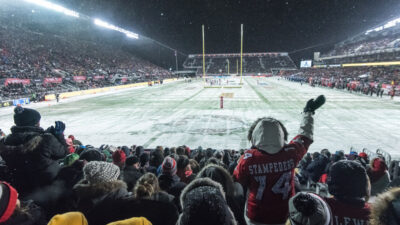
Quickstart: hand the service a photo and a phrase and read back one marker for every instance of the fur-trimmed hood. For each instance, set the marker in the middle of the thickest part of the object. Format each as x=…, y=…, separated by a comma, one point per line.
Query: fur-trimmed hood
x=84, y=189
x=29, y=146
x=203, y=202
x=386, y=208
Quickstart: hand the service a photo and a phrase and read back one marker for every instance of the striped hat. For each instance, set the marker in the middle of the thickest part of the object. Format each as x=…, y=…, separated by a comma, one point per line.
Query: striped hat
x=8, y=201
x=169, y=166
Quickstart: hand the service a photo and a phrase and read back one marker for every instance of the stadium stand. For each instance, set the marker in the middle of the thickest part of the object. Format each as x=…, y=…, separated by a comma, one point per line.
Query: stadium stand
x=253, y=63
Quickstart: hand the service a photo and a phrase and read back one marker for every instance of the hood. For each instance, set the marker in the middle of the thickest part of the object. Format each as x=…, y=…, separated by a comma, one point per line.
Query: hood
x=28, y=146
x=386, y=208
x=268, y=136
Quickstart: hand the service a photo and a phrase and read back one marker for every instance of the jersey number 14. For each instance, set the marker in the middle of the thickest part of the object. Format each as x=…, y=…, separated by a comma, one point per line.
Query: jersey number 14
x=282, y=186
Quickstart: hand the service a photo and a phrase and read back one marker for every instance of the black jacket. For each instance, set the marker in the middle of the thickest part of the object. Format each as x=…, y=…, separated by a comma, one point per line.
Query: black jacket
x=130, y=175
x=30, y=214
x=156, y=211
x=317, y=167
x=172, y=185
x=32, y=155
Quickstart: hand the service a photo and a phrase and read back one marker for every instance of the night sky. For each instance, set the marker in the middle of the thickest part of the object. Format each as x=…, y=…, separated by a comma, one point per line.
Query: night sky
x=270, y=25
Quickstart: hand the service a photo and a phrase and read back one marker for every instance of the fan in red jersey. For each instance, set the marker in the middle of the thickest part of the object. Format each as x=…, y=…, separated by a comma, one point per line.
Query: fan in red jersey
x=267, y=169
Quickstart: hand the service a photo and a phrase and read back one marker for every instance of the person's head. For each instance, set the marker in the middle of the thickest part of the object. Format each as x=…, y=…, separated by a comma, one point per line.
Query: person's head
x=26, y=117
x=194, y=165
x=91, y=155
x=132, y=161
x=203, y=202
x=183, y=163
x=220, y=175
x=385, y=210
x=315, y=155
x=309, y=209
x=100, y=172
x=326, y=153
x=146, y=186
x=119, y=158
x=180, y=150
x=126, y=150
x=267, y=134
x=8, y=201
x=169, y=166
x=378, y=164
x=156, y=158
x=348, y=180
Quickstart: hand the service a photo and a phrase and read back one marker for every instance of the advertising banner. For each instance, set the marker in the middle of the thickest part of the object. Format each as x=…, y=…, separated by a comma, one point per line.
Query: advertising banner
x=16, y=81
x=79, y=79
x=52, y=80
x=98, y=77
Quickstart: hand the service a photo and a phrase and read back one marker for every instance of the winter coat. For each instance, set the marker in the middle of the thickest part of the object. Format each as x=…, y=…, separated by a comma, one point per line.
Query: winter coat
x=317, y=167
x=381, y=184
x=172, y=185
x=384, y=210
x=32, y=155
x=379, y=176
x=156, y=211
x=130, y=175
x=30, y=214
x=87, y=195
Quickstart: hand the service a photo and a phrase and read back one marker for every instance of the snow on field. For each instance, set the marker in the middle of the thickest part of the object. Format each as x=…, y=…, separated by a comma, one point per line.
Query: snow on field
x=186, y=113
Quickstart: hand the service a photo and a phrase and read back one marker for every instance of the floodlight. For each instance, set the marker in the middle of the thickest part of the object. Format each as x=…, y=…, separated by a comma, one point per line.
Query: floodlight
x=104, y=24
x=54, y=7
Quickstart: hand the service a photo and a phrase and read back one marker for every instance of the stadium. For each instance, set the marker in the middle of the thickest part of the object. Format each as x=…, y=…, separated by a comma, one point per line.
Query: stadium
x=185, y=113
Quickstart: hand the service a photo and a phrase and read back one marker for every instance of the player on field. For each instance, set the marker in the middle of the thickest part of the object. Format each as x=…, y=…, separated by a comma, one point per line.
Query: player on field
x=267, y=169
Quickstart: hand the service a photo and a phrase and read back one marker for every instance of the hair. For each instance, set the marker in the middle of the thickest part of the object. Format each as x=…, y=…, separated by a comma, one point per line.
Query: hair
x=250, y=133
x=18, y=212
x=180, y=150
x=194, y=165
x=146, y=186
x=219, y=174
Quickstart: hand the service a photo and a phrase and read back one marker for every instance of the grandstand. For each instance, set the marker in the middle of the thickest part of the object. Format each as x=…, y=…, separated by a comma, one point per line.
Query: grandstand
x=253, y=63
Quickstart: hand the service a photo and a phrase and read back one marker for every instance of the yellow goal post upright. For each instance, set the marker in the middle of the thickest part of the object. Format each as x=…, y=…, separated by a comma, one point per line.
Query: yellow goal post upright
x=204, y=57
x=241, y=53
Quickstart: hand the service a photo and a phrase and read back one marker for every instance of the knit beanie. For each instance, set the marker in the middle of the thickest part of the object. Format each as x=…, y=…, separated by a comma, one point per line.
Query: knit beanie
x=348, y=179
x=8, y=201
x=98, y=172
x=169, y=166
x=91, y=155
x=131, y=160
x=26, y=117
x=75, y=218
x=119, y=157
x=309, y=209
x=132, y=221
x=70, y=159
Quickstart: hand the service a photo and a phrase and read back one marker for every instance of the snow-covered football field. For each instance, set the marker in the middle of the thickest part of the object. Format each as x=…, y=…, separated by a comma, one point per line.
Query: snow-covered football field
x=186, y=113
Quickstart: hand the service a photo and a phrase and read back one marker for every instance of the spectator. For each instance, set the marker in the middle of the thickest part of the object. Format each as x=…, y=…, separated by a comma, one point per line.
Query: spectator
x=31, y=152
x=203, y=202
x=147, y=187
x=270, y=158
x=184, y=171
x=308, y=209
x=349, y=184
x=386, y=208
x=119, y=158
x=131, y=172
x=168, y=179
x=379, y=176
x=75, y=218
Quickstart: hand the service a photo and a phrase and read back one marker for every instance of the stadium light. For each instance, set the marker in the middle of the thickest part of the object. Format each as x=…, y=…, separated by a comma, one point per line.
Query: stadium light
x=389, y=24
x=54, y=7
x=104, y=24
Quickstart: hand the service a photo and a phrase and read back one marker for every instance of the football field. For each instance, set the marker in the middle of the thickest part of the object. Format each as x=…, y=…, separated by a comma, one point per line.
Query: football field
x=186, y=113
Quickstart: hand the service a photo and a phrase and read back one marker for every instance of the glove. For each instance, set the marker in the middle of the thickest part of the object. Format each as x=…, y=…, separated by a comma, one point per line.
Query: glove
x=60, y=127
x=313, y=105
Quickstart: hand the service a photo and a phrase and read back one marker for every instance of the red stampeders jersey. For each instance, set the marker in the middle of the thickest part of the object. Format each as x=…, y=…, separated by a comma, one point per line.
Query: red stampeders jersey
x=345, y=214
x=269, y=179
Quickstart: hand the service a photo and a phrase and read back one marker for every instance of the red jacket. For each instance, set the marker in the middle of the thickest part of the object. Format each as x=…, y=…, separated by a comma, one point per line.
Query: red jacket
x=269, y=179
x=344, y=213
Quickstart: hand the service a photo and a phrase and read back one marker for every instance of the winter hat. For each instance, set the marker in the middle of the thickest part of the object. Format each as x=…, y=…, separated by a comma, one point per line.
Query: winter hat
x=26, y=117
x=132, y=221
x=385, y=210
x=8, y=201
x=169, y=166
x=126, y=150
x=119, y=157
x=144, y=159
x=363, y=155
x=91, y=155
x=203, y=202
x=75, y=218
x=309, y=209
x=98, y=172
x=131, y=160
x=183, y=161
x=139, y=151
x=70, y=159
x=342, y=174
x=268, y=136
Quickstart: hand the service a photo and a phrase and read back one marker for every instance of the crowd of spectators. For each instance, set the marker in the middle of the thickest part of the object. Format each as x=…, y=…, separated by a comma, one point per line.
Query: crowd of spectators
x=47, y=177
x=367, y=80
x=30, y=55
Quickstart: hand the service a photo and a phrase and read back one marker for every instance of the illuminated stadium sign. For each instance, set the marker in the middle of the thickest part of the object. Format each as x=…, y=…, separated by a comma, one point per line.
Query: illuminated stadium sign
x=305, y=64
